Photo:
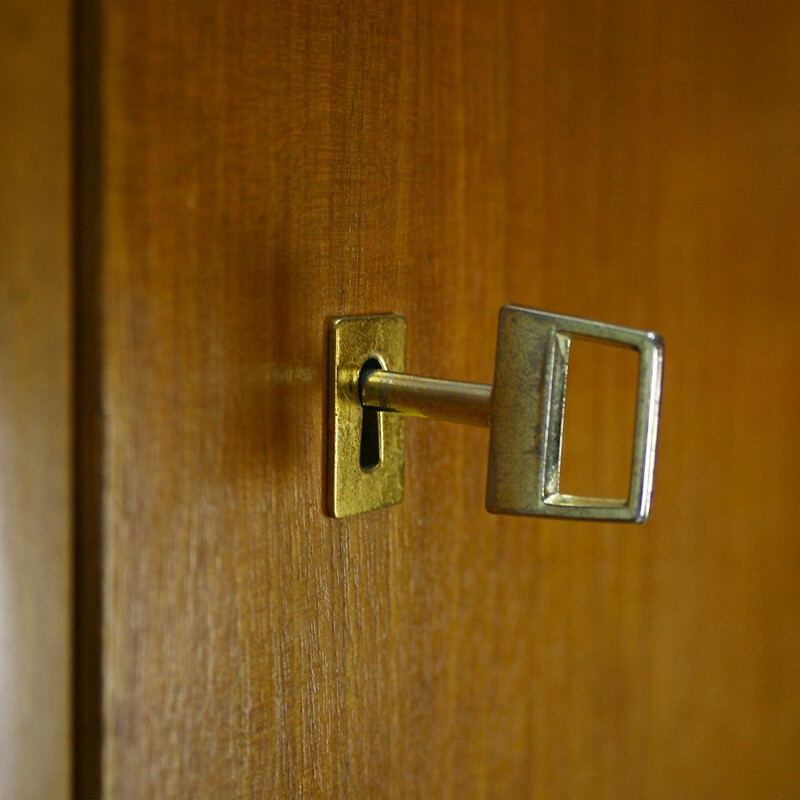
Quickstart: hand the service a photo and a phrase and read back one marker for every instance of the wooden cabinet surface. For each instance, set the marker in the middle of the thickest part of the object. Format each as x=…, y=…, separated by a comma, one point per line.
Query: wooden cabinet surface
x=35, y=405
x=250, y=170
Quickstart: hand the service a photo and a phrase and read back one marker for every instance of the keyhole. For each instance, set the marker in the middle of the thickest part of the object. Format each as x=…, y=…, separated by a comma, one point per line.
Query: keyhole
x=370, y=426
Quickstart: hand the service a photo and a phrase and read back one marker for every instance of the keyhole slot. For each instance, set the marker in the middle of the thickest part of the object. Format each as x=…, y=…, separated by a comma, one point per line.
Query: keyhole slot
x=370, y=452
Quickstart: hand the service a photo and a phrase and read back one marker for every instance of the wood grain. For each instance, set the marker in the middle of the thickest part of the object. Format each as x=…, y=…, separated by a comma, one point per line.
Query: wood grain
x=267, y=166
x=35, y=407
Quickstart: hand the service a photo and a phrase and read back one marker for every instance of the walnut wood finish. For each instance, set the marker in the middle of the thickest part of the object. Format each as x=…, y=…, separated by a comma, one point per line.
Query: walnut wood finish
x=35, y=423
x=265, y=167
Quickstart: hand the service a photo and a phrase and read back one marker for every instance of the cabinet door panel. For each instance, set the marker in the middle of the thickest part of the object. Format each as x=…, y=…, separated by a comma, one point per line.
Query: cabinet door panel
x=264, y=167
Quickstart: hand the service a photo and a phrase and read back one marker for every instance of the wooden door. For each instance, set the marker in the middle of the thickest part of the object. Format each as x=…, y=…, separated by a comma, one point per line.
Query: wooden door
x=249, y=170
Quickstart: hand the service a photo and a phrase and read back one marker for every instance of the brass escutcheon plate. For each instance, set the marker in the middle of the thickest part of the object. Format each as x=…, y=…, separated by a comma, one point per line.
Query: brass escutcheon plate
x=352, y=489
